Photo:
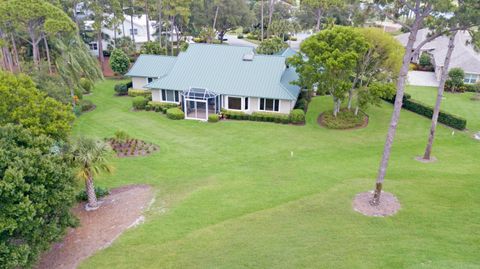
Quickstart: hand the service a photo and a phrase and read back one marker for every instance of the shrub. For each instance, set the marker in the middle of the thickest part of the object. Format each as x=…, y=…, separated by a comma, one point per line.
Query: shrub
x=455, y=79
x=198, y=40
x=271, y=46
x=139, y=103
x=160, y=106
x=270, y=117
x=78, y=92
x=175, y=113
x=293, y=38
x=425, y=60
x=472, y=87
x=119, y=61
x=213, y=118
x=86, y=84
x=99, y=191
x=85, y=105
x=121, y=135
x=302, y=104
x=297, y=116
x=235, y=115
x=144, y=93
x=240, y=36
x=122, y=89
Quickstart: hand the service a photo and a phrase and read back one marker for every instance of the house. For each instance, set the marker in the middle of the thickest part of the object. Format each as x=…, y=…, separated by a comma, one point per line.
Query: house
x=207, y=78
x=137, y=33
x=464, y=56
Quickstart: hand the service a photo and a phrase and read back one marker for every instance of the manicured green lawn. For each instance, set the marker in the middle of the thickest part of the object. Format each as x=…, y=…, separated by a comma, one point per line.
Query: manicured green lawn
x=456, y=103
x=231, y=195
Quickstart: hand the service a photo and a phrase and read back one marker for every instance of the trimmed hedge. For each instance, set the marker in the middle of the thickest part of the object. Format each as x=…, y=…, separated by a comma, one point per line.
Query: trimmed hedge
x=135, y=93
x=427, y=111
x=122, y=88
x=175, y=114
x=139, y=103
x=159, y=106
x=213, y=118
x=297, y=116
x=257, y=116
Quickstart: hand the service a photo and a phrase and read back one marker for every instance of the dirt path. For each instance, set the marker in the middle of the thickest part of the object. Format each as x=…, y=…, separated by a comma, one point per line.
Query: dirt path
x=120, y=210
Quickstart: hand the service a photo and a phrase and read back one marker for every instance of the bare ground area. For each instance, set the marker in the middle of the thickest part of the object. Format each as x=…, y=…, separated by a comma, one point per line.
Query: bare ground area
x=119, y=211
x=389, y=204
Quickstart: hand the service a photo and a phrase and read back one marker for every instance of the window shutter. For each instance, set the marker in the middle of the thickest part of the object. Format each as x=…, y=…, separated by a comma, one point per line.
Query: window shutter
x=277, y=105
x=246, y=103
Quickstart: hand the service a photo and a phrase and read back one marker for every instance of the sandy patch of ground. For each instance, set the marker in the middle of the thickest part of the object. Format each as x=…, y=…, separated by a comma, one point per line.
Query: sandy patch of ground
x=119, y=211
x=389, y=204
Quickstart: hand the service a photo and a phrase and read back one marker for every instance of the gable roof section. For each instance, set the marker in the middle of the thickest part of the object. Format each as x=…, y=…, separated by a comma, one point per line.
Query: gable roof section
x=154, y=66
x=221, y=68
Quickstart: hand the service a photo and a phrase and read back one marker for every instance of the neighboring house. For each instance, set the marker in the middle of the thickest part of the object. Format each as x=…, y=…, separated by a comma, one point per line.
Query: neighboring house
x=464, y=56
x=138, y=32
x=207, y=78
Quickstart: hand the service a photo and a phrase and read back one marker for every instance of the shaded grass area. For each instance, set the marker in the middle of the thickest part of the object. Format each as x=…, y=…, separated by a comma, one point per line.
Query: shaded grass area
x=240, y=194
x=460, y=104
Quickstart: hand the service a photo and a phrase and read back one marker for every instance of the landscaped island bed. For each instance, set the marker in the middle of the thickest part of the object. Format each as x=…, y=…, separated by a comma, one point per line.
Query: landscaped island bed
x=243, y=194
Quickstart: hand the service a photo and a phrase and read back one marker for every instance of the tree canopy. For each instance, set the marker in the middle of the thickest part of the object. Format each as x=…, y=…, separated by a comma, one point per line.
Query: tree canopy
x=37, y=190
x=23, y=104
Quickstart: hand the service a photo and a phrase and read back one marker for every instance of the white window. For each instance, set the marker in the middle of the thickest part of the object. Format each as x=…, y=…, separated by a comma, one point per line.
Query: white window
x=470, y=78
x=170, y=96
x=134, y=32
x=93, y=46
x=234, y=103
x=269, y=104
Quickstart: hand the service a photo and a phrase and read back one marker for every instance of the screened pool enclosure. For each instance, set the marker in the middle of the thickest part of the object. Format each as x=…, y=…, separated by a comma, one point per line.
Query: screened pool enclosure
x=199, y=103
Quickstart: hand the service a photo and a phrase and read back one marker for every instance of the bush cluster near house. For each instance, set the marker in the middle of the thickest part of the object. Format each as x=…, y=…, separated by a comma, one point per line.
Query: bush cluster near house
x=271, y=46
x=175, y=113
x=119, y=61
x=133, y=93
x=122, y=88
x=36, y=194
x=213, y=118
x=139, y=103
x=345, y=120
x=159, y=106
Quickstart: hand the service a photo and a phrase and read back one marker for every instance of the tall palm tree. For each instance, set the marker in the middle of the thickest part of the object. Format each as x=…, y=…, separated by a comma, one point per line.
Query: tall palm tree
x=89, y=156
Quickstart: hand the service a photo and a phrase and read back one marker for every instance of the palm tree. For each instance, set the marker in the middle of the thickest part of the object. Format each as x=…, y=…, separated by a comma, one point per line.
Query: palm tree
x=89, y=156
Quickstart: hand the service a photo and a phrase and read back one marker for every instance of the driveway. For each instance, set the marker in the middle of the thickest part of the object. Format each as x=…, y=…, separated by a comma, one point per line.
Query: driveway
x=233, y=40
x=421, y=78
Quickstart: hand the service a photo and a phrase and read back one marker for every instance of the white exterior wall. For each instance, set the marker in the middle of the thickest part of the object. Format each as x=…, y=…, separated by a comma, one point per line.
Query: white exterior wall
x=138, y=83
x=156, y=95
x=285, y=106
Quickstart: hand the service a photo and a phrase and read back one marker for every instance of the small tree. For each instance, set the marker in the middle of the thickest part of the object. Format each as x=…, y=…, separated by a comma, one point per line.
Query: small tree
x=271, y=46
x=455, y=78
x=152, y=47
x=89, y=156
x=207, y=34
x=119, y=61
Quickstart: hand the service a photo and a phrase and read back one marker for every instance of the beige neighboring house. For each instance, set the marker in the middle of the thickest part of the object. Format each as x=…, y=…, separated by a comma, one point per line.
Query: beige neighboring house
x=464, y=56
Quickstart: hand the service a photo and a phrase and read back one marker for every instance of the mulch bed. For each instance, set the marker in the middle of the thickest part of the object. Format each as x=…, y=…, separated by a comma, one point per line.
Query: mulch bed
x=98, y=229
x=320, y=121
x=131, y=147
x=389, y=204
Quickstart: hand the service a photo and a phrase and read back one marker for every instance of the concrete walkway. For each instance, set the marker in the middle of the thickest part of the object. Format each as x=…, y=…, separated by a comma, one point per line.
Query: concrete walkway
x=421, y=78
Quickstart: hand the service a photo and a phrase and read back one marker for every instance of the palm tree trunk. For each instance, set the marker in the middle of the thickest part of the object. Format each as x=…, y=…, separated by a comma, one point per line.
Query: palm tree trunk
x=215, y=19
x=172, y=27
x=261, y=22
x=131, y=22
x=441, y=87
x=47, y=50
x=270, y=16
x=92, y=197
x=396, y=112
x=319, y=19
x=160, y=22
x=15, y=52
x=100, y=48
x=147, y=21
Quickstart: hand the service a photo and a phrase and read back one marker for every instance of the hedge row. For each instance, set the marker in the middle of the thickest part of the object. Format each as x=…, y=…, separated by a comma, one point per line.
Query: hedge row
x=159, y=106
x=296, y=116
x=175, y=113
x=145, y=93
x=427, y=111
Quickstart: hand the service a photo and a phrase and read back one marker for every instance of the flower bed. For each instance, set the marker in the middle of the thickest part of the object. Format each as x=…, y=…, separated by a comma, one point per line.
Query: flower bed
x=131, y=147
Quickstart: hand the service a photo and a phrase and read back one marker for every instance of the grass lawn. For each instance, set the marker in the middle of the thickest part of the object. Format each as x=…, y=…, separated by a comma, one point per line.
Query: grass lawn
x=456, y=103
x=231, y=195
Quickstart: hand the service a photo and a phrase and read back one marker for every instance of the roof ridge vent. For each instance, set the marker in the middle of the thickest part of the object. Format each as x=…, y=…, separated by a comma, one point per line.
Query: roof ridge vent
x=248, y=57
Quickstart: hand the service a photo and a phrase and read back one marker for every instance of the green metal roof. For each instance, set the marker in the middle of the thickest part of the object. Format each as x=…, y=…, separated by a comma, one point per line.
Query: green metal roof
x=154, y=66
x=221, y=69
